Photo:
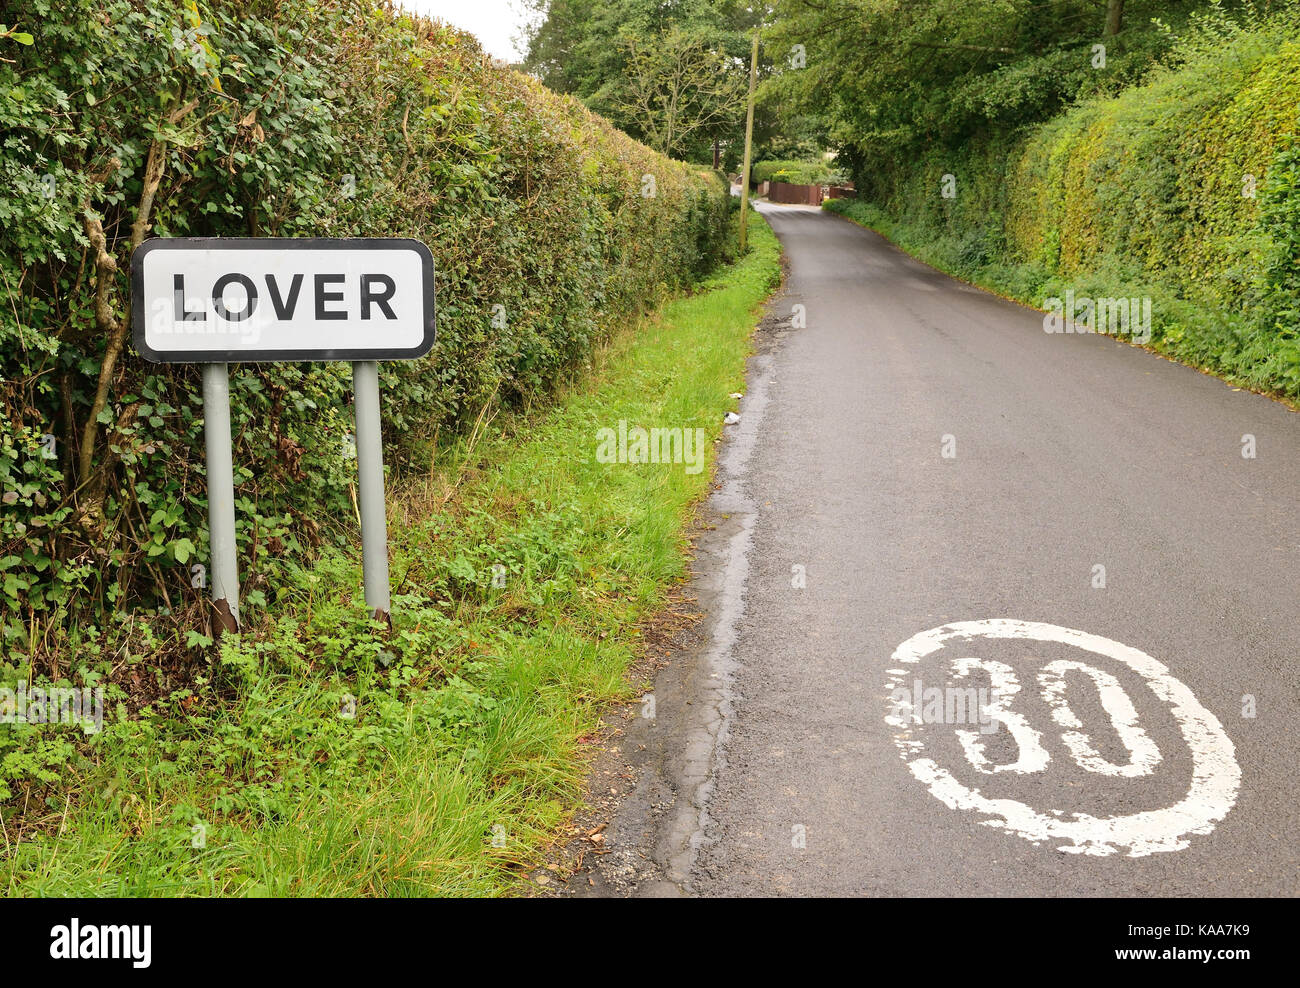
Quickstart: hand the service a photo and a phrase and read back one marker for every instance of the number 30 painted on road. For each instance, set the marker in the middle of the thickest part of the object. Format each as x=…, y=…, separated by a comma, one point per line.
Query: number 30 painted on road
x=1216, y=776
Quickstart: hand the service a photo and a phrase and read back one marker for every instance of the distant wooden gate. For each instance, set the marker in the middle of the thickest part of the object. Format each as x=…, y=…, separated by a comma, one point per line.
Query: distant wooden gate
x=809, y=195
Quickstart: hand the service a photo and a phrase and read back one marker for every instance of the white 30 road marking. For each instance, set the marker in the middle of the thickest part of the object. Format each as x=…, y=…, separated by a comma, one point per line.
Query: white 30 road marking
x=1144, y=756
x=1033, y=756
x=1216, y=776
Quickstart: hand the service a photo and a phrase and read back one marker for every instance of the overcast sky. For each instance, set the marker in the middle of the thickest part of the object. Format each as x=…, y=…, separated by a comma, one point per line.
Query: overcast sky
x=496, y=23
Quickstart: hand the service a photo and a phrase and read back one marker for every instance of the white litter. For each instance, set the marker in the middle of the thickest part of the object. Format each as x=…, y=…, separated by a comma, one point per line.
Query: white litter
x=731, y=418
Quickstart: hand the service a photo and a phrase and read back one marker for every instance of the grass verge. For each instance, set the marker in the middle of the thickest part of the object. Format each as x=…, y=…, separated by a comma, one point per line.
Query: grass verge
x=321, y=756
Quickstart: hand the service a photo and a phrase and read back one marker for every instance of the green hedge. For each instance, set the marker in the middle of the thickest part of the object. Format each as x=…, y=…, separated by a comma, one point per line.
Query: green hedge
x=1140, y=194
x=811, y=172
x=132, y=118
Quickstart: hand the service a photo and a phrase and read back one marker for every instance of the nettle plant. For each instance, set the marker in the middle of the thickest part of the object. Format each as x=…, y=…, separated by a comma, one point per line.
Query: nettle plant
x=127, y=119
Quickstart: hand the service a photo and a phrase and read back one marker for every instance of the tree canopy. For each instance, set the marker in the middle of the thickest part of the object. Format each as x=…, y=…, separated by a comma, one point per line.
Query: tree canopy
x=893, y=76
x=666, y=71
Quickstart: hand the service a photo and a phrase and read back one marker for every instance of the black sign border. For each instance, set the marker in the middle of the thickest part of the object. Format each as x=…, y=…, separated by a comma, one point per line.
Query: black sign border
x=279, y=243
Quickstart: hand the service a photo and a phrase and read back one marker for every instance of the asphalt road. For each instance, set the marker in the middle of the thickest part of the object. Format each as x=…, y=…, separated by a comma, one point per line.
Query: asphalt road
x=922, y=454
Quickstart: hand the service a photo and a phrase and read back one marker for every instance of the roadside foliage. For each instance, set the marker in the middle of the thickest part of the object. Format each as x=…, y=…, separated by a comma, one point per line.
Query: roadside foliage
x=126, y=119
x=795, y=172
x=1034, y=152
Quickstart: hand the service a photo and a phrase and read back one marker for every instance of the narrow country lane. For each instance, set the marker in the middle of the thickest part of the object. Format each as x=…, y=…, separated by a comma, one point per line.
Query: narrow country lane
x=922, y=453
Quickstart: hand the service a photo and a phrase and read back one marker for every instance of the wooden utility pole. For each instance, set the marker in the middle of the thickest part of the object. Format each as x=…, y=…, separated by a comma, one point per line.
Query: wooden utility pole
x=749, y=143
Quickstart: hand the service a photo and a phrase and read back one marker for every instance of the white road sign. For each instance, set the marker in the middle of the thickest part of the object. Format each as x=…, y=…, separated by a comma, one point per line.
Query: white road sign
x=218, y=300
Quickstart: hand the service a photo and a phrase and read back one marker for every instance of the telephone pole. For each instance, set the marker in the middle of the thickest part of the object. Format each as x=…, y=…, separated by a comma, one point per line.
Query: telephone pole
x=749, y=142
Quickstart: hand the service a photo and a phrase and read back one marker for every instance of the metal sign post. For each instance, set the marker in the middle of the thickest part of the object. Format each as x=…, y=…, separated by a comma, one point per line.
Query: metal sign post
x=370, y=472
x=224, y=575
x=216, y=301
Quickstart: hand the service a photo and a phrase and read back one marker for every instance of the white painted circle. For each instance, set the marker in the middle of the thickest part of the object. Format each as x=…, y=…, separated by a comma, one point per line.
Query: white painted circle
x=1216, y=776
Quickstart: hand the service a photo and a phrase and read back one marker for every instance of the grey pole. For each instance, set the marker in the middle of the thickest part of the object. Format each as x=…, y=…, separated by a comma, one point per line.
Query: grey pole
x=221, y=499
x=370, y=468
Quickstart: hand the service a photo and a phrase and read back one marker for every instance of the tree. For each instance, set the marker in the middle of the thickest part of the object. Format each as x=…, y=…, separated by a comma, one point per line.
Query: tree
x=585, y=48
x=1114, y=16
x=680, y=88
x=895, y=78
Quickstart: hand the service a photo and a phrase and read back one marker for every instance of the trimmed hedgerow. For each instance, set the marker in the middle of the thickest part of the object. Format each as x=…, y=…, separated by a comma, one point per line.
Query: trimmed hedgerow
x=795, y=172
x=123, y=119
